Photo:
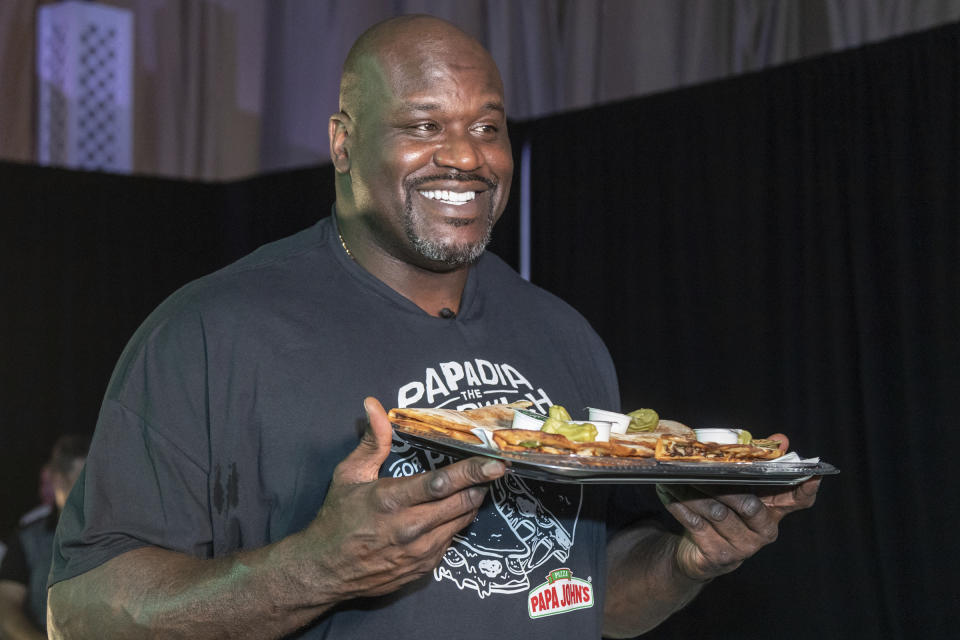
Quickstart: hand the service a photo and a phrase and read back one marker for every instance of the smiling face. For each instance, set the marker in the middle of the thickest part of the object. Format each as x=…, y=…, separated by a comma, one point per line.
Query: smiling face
x=426, y=162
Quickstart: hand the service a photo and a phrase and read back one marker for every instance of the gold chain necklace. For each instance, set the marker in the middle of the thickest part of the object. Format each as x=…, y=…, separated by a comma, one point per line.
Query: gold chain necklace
x=344, y=245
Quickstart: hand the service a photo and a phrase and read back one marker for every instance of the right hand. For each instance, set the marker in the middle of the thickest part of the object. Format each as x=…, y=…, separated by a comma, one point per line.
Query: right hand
x=373, y=535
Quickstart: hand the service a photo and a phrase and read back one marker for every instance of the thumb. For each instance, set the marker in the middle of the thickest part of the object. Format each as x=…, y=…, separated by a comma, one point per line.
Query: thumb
x=363, y=464
x=784, y=441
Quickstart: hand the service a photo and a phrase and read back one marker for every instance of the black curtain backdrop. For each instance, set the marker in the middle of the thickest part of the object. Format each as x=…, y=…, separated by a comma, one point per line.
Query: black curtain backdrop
x=86, y=257
x=777, y=251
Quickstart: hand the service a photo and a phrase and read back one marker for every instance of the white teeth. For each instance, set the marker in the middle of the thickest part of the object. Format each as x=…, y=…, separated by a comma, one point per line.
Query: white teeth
x=450, y=197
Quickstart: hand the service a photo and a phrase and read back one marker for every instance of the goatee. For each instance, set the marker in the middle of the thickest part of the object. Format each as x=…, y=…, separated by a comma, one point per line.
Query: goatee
x=446, y=253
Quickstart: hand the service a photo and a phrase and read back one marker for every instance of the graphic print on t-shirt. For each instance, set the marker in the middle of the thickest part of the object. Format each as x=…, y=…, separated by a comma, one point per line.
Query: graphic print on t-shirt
x=524, y=524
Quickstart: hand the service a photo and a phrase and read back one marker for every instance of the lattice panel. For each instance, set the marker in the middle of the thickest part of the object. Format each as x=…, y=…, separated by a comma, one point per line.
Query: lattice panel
x=84, y=53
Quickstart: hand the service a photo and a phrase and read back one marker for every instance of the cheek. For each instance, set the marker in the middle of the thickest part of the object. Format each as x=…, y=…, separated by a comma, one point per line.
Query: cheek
x=500, y=161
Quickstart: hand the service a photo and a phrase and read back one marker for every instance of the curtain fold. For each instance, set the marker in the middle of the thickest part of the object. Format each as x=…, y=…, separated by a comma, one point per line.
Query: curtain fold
x=228, y=88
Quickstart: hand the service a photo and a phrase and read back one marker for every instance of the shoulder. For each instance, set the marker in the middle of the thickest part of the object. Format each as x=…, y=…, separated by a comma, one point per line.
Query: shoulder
x=234, y=301
x=259, y=273
x=254, y=280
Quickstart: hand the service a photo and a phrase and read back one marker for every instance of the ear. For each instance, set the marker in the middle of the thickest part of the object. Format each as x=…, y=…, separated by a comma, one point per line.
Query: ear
x=339, y=129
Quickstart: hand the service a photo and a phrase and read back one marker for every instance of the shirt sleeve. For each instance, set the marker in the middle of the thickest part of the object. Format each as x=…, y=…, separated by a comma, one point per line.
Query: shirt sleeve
x=145, y=481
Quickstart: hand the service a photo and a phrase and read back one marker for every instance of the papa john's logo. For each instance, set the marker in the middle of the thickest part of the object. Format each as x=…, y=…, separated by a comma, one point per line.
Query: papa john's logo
x=559, y=594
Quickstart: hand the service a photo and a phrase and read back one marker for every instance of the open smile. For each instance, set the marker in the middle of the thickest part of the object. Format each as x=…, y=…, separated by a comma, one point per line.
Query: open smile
x=455, y=198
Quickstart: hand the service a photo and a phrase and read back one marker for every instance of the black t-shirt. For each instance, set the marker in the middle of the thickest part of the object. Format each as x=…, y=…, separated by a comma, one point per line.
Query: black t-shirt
x=233, y=402
x=27, y=560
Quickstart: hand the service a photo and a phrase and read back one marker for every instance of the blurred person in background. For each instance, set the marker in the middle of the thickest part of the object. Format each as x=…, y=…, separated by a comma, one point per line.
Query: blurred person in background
x=24, y=567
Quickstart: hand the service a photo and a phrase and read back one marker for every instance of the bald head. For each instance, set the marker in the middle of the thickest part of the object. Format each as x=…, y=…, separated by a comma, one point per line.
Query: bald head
x=404, y=44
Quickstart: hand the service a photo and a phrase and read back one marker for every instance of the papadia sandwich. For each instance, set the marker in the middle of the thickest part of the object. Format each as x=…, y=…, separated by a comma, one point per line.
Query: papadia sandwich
x=457, y=424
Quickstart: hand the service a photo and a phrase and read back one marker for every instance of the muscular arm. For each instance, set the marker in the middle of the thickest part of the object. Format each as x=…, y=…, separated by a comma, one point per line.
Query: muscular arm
x=153, y=591
x=645, y=584
x=371, y=537
x=14, y=623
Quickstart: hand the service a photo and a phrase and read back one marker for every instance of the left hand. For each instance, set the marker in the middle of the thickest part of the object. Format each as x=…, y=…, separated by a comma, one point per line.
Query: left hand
x=726, y=525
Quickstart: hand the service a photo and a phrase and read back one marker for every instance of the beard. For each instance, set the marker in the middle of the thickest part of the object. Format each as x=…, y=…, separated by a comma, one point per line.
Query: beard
x=451, y=254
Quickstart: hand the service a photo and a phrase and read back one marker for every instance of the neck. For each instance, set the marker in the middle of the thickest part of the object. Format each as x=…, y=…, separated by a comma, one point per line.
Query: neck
x=436, y=292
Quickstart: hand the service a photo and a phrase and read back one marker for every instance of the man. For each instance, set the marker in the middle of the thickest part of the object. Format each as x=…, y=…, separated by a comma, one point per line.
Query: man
x=225, y=494
x=23, y=572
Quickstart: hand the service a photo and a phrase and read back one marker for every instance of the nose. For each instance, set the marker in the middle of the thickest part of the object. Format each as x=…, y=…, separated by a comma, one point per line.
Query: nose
x=459, y=152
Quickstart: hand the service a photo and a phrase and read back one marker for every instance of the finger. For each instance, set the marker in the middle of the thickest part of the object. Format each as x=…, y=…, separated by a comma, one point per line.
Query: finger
x=434, y=518
x=423, y=557
x=708, y=548
x=363, y=464
x=696, y=511
x=784, y=441
x=749, y=511
x=741, y=519
x=419, y=557
x=789, y=499
x=438, y=484
x=438, y=538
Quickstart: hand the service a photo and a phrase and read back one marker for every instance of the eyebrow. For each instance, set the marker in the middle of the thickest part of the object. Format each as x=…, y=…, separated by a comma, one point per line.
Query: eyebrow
x=492, y=105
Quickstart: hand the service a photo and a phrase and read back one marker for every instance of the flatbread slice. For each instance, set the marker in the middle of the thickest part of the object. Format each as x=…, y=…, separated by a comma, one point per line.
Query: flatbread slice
x=643, y=444
x=430, y=429
x=674, y=428
x=445, y=418
x=497, y=415
x=535, y=441
x=542, y=442
x=748, y=452
x=680, y=449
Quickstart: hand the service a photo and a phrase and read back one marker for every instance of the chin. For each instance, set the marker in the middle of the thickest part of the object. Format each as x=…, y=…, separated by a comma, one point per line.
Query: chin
x=452, y=254
x=459, y=246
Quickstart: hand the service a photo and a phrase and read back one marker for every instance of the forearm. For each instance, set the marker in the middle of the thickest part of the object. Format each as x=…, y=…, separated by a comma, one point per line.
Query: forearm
x=644, y=584
x=264, y=593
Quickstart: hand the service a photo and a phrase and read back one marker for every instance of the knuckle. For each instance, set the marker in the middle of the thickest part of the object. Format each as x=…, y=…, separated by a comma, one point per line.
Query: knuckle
x=406, y=533
x=725, y=557
x=718, y=512
x=385, y=500
x=750, y=505
x=694, y=522
x=771, y=533
x=438, y=483
x=425, y=555
x=472, y=498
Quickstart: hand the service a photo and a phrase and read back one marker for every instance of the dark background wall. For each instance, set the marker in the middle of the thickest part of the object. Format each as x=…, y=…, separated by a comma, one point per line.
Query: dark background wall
x=777, y=251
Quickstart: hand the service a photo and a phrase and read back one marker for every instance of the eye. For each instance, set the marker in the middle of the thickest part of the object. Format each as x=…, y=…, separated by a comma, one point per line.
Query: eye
x=425, y=127
x=485, y=128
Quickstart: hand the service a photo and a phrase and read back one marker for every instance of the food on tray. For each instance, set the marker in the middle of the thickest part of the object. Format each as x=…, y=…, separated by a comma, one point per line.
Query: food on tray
x=576, y=431
x=643, y=420
x=645, y=442
x=497, y=415
x=544, y=442
x=558, y=434
x=680, y=449
x=456, y=424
